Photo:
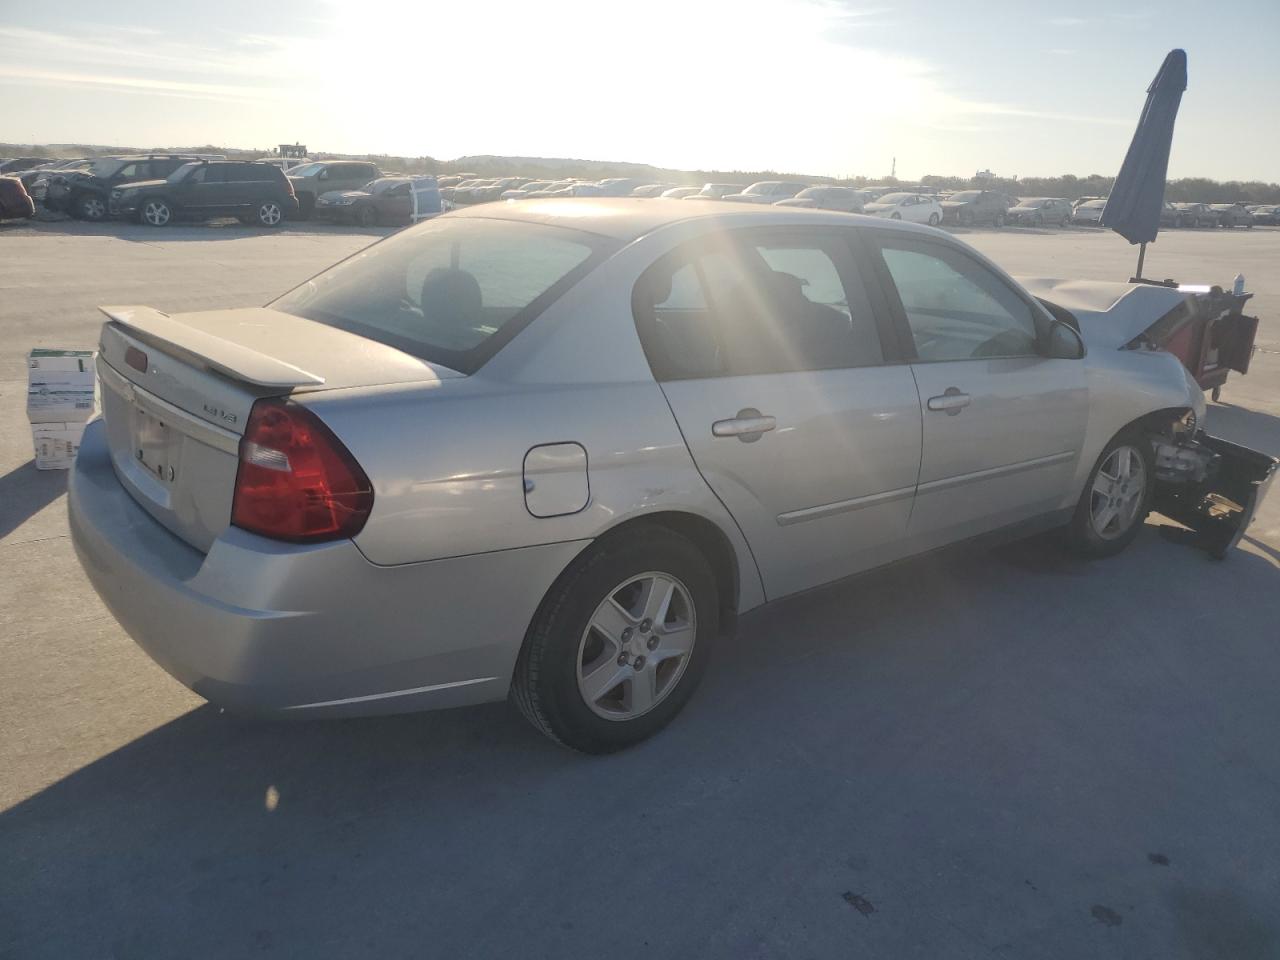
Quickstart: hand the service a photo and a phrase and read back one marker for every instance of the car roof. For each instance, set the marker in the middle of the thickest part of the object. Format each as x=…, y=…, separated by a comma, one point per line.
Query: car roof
x=629, y=218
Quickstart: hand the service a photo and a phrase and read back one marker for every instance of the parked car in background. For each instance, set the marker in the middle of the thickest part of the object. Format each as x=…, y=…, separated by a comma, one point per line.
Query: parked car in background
x=522, y=191
x=253, y=192
x=1232, y=214
x=618, y=186
x=385, y=201
x=1040, y=212
x=843, y=199
x=679, y=193
x=309, y=180
x=328, y=536
x=460, y=192
x=15, y=202
x=911, y=207
x=651, y=189
x=1194, y=215
x=1088, y=212
x=1268, y=214
x=494, y=189
x=715, y=191
x=86, y=193
x=970, y=207
x=767, y=191
x=557, y=188
x=286, y=164
x=18, y=164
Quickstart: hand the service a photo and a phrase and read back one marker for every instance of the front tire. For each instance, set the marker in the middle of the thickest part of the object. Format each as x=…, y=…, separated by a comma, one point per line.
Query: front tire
x=155, y=212
x=1116, y=498
x=620, y=642
x=91, y=208
x=933, y=219
x=896, y=216
x=367, y=216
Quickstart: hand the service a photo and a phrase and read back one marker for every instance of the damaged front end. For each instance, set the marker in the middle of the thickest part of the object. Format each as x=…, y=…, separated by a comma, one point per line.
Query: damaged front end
x=1210, y=485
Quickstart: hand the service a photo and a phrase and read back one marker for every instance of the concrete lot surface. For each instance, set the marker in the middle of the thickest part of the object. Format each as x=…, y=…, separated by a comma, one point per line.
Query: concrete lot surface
x=1009, y=754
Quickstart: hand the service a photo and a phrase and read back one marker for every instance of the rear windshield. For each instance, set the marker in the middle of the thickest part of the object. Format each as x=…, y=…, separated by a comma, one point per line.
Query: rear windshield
x=453, y=290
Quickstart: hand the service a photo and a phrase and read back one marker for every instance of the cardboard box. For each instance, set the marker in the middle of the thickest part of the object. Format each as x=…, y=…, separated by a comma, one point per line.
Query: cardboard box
x=56, y=444
x=60, y=385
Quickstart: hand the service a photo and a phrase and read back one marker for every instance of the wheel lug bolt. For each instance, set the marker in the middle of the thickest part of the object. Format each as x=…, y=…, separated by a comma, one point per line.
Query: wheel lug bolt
x=646, y=625
x=653, y=642
x=622, y=659
x=638, y=662
x=626, y=634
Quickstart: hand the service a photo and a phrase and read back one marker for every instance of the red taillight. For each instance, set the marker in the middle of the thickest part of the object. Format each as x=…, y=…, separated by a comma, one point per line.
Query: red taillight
x=296, y=480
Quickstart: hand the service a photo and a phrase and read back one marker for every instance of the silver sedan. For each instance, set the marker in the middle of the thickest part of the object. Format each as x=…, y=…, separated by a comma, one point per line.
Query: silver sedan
x=552, y=450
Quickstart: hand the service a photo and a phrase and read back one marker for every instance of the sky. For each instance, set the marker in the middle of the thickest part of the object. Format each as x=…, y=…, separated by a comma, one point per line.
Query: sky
x=826, y=87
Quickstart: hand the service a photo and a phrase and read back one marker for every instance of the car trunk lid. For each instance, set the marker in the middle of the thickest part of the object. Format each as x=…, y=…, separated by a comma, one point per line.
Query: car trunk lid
x=177, y=391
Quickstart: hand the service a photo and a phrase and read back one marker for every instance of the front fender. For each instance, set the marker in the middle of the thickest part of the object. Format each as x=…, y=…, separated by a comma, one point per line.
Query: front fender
x=1125, y=386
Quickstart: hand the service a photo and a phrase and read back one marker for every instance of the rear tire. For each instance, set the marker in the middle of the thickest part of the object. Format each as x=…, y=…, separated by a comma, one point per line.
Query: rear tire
x=269, y=214
x=592, y=659
x=1116, y=498
x=896, y=216
x=998, y=221
x=933, y=219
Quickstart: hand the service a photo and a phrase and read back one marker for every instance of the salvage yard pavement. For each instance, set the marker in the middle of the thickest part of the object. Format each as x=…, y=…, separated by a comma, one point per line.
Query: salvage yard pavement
x=1012, y=754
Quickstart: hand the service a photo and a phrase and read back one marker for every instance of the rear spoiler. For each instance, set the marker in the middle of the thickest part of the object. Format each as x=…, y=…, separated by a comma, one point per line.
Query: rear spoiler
x=223, y=356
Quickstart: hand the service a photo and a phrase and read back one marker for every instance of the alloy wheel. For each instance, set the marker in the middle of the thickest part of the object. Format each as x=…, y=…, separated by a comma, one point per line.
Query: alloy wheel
x=93, y=208
x=269, y=214
x=636, y=646
x=1118, y=492
x=156, y=213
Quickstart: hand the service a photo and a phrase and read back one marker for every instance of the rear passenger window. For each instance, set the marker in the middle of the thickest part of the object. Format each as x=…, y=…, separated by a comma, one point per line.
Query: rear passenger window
x=758, y=304
x=216, y=173
x=956, y=308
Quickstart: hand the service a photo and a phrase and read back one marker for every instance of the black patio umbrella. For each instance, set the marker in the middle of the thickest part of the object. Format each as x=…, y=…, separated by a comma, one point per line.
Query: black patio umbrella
x=1133, y=209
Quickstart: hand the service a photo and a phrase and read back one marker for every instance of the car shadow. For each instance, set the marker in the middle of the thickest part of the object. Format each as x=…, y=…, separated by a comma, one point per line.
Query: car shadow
x=25, y=491
x=216, y=835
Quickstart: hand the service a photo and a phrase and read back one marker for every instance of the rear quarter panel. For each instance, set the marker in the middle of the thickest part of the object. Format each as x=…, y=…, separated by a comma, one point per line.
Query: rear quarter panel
x=446, y=460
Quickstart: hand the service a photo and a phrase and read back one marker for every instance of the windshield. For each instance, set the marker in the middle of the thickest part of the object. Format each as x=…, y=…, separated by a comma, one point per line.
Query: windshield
x=306, y=169
x=893, y=198
x=764, y=187
x=1032, y=203
x=449, y=291
x=182, y=172
x=1094, y=204
x=966, y=195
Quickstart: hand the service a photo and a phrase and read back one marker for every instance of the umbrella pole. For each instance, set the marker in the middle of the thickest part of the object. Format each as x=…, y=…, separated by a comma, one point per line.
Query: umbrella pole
x=1142, y=255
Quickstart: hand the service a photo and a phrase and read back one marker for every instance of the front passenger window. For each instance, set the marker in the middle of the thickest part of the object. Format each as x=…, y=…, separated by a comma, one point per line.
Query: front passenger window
x=956, y=308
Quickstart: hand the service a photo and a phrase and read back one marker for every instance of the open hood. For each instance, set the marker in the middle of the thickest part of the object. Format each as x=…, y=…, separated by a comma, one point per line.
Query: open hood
x=1112, y=314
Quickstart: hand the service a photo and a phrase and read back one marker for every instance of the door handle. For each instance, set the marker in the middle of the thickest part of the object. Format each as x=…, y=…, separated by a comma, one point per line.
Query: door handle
x=952, y=401
x=748, y=426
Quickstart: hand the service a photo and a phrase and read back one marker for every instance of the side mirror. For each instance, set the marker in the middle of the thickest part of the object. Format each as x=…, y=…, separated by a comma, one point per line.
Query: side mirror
x=1063, y=342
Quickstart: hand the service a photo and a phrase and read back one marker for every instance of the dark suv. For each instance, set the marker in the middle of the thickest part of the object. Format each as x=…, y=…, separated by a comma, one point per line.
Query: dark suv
x=86, y=193
x=310, y=180
x=975, y=206
x=254, y=192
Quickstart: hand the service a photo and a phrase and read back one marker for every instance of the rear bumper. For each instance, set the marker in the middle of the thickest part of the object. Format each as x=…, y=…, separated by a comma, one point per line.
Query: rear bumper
x=260, y=626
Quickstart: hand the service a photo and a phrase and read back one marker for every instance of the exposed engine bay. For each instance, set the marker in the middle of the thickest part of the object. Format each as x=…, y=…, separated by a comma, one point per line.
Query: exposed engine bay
x=1211, y=485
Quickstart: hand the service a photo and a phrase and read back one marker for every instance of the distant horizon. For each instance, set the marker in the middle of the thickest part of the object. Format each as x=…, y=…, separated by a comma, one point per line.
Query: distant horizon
x=828, y=86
